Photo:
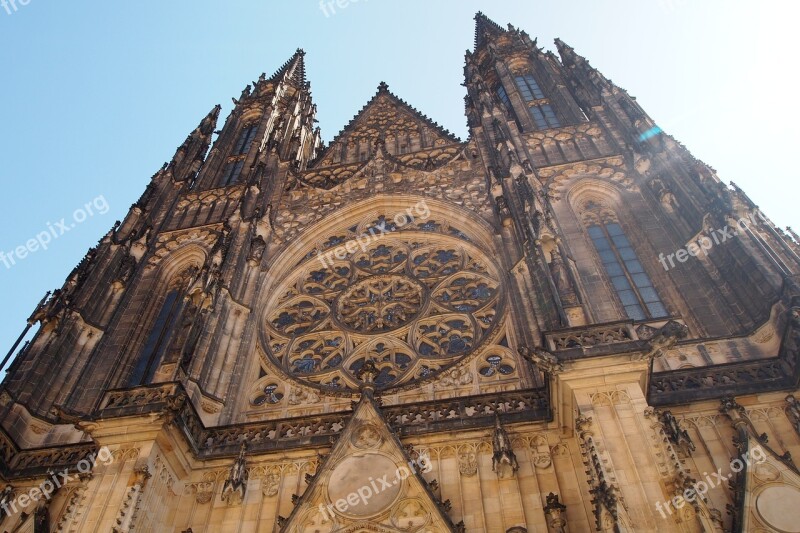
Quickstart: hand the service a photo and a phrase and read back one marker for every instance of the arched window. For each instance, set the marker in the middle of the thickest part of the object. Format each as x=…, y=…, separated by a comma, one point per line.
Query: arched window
x=232, y=172
x=541, y=111
x=501, y=92
x=157, y=340
x=529, y=88
x=633, y=286
x=246, y=137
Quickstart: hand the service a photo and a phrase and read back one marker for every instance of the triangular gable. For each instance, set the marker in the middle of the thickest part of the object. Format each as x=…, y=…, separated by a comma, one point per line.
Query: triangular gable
x=368, y=482
x=383, y=118
x=772, y=491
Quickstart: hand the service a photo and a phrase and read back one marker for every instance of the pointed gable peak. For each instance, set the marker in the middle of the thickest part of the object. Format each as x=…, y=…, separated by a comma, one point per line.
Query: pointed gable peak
x=294, y=70
x=485, y=28
x=369, y=480
x=386, y=116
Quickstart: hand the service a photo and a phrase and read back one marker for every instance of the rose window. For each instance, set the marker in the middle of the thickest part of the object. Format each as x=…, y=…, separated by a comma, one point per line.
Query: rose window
x=379, y=303
x=413, y=309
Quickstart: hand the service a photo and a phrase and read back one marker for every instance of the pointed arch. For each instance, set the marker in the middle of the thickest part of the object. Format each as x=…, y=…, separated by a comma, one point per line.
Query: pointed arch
x=168, y=306
x=597, y=207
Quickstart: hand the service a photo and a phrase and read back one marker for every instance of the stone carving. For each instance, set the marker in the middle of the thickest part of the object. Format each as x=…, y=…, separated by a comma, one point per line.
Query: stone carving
x=532, y=404
x=209, y=406
x=204, y=492
x=561, y=279
x=41, y=515
x=455, y=377
x=298, y=396
x=601, y=484
x=367, y=437
x=409, y=515
x=504, y=461
x=677, y=436
x=127, y=266
x=422, y=310
x=592, y=336
x=718, y=380
x=468, y=463
x=125, y=518
x=543, y=359
x=138, y=397
x=793, y=412
x=665, y=338
x=555, y=511
x=73, y=507
x=270, y=485
x=540, y=452
x=234, y=488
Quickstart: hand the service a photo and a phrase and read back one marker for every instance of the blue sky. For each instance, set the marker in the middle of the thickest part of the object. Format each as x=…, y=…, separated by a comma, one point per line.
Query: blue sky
x=97, y=95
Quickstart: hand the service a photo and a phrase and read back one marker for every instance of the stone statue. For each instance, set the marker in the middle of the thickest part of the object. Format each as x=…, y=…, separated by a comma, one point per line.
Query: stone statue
x=676, y=435
x=235, y=486
x=503, y=457
x=559, y=271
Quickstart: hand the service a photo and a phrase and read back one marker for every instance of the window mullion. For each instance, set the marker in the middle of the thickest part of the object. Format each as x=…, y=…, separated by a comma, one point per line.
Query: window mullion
x=624, y=267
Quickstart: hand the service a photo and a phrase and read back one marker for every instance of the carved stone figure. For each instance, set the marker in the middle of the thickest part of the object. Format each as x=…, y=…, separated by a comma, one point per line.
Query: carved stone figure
x=236, y=484
x=555, y=511
x=793, y=412
x=468, y=463
x=504, y=461
x=677, y=436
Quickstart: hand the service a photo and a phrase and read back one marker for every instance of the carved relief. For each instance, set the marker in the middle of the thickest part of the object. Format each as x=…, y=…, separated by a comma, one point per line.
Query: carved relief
x=414, y=310
x=540, y=452
x=409, y=515
x=468, y=463
x=270, y=485
x=367, y=437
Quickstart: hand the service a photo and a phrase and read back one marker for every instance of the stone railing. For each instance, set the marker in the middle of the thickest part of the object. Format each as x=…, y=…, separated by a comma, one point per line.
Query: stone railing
x=732, y=379
x=36, y=462
x=131, y=401
x=407, y=419
x=583, y=338
x=716, y=381
x=442, y=415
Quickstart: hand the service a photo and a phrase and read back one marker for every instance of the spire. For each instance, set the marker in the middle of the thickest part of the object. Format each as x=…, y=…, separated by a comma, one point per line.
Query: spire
x=294, y=70
x=567, y=53
x=485, y=27
x=208, y=124
x=586, y=82
x=192, y=152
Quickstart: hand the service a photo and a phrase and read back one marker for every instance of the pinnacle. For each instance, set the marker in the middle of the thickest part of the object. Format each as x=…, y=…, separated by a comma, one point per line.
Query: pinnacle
x=294, y=69
x=485, y=26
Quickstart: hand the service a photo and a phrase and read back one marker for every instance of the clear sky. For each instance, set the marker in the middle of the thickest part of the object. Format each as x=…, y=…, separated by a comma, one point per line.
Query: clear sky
x=98, y=94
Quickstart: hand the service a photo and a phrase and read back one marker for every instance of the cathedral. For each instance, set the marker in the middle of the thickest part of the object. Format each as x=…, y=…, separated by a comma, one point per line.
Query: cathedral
x=564, y=323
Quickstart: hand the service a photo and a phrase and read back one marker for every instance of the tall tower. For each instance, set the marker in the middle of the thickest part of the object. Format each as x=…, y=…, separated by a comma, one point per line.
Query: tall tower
x=563, y=323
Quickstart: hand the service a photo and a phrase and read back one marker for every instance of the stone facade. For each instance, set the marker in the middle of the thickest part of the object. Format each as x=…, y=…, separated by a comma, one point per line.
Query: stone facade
x=565, y=323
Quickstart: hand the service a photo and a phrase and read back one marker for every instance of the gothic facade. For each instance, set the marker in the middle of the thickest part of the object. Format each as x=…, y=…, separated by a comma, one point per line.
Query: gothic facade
x=564, y=323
